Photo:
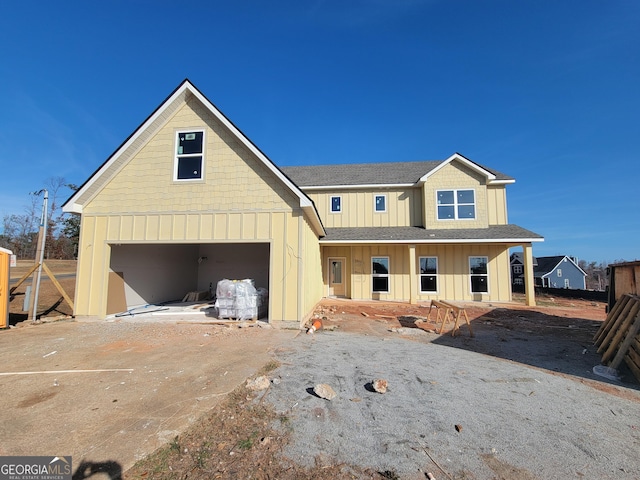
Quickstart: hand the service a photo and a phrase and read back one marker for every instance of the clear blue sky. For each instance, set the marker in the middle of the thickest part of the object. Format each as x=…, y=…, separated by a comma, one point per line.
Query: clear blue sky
x=547, y=92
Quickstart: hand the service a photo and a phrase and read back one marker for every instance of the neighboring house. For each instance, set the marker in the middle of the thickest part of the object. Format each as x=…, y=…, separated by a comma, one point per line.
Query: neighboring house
x=188, y=200
x=517, y=268
x=559, y=272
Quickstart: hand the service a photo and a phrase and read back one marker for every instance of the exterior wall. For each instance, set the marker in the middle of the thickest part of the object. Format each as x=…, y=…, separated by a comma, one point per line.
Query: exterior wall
x=456, y=176
x=310, y=272
x=238, y=200
x=497, y=205
x=568, y=272
x=404, y=208
x=453, y=271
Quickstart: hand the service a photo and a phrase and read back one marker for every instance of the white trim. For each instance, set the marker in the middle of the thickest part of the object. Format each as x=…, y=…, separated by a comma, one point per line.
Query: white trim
x=456, y=156
x=358, y=187
x=514, y=242
x=375, y=202
x=455, y=205
x=437, y=275
x=331, y=197
x=72, y=205
x=478, y=274
x=381, y=275
x=176, y=156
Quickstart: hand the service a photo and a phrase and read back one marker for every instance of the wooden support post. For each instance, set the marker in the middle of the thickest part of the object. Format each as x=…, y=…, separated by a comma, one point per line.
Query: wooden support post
x=58, y=286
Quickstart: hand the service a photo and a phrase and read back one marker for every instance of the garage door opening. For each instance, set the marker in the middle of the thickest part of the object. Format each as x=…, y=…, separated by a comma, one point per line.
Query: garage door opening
x=147, y=274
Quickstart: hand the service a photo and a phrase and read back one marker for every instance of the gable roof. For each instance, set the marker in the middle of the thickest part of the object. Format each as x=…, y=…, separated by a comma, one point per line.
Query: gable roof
x=546, y=265
x=150, y=126
x=396, y=174
x=518, y=258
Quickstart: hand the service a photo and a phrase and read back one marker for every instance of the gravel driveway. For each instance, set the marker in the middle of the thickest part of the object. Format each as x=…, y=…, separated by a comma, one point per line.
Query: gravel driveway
x=451, y=409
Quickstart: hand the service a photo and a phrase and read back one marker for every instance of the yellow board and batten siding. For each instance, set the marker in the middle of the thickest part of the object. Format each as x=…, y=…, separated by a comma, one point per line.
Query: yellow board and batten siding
x=454, y=282
x=404, y=207
x=238, y=200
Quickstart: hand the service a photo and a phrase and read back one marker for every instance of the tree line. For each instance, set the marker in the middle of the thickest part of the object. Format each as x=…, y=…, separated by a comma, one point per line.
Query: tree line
x=20, y=231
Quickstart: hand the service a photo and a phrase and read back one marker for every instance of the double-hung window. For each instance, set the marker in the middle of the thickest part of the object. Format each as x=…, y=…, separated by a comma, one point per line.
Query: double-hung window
x=428, y=274
x=456, y=204
x=380, y=274
x=479, y=273
x=189, y=155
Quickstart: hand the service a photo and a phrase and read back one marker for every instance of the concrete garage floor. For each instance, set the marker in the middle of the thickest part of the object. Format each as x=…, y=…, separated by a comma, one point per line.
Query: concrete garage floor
x=109, y=393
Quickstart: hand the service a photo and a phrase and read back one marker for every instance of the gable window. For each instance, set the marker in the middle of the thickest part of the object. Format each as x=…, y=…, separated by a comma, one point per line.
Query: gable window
x=428, y=274
x=479, y=274
x=559, y=272
x=336, y=204
x=456, y=204
x=380, y=203
x=380, y=274
x=189, y=155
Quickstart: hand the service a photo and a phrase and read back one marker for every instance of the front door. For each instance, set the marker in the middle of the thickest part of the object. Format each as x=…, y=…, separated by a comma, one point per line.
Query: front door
x=336, y=277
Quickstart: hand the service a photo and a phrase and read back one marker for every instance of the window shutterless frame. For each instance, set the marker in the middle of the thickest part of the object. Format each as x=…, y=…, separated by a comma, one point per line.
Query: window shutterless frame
x=189, y=155
x=335, y=204
x=380, y=203
x=380, y=274
x=428, y=269
x=479, y=274
x=456, y=204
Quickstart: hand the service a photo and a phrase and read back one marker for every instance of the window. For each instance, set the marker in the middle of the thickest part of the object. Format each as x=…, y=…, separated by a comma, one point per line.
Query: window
x=189, y=154
x=456, y=204
x=566, y=283
x=559, y=272
x=336, y=204
x=479, y=274
x=428, y=274
x=380, y=274
x=517, y=269
x=518, y=281
x=380, y=203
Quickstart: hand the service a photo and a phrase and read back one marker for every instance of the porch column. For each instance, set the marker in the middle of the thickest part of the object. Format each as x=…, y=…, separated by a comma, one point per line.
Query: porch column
x=529, y=287
x=413, y=277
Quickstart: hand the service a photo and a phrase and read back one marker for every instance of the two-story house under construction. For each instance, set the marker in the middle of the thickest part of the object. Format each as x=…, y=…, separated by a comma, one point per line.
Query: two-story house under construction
x=188, y=200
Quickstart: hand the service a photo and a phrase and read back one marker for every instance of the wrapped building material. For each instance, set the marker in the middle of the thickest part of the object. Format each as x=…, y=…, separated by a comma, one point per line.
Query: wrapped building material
x=239, y=299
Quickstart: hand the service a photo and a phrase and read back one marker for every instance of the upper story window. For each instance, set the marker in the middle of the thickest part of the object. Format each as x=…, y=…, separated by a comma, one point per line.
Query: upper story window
x=559, y=272
x=380, y=203
x=456, y=204
x=189, y=155
x=336, y=204
x=517, y=269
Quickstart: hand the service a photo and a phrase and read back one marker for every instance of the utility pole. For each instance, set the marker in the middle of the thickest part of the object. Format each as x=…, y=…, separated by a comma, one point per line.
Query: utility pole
x=42, y=235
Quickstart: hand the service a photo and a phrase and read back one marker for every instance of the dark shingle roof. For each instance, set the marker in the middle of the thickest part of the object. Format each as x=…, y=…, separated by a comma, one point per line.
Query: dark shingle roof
x=422, y=235
x=547, y=264
x=391, y=173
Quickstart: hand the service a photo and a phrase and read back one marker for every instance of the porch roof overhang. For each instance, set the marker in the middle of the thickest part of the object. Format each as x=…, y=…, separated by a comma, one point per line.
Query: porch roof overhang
x=504, y=234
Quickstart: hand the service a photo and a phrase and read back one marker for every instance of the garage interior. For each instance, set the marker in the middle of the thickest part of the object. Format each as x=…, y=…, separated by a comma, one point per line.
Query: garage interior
x=152, y=274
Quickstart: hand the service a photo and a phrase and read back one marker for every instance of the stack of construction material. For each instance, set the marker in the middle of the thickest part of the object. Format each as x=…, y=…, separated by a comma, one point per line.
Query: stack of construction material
x=239, y=299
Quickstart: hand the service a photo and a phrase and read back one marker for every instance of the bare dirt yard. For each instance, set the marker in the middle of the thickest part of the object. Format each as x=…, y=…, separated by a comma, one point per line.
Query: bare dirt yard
x=518, y=400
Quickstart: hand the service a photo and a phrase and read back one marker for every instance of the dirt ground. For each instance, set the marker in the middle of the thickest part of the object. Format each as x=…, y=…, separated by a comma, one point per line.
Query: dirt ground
x=534, y=364
x=51, y=303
